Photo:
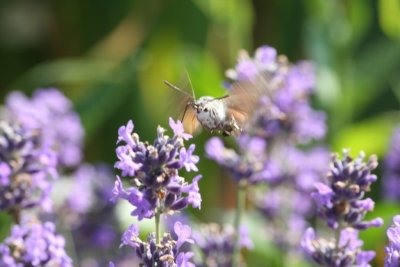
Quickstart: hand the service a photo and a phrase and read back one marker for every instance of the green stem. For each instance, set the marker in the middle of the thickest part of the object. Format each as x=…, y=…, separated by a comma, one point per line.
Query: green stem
x=157, y=221
x=240, y=206
x=16, y=215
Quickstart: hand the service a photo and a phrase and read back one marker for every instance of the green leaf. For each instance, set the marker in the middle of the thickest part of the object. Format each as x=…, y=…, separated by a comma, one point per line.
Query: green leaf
x=371, y=136
x=389, y=14
x=5, y=225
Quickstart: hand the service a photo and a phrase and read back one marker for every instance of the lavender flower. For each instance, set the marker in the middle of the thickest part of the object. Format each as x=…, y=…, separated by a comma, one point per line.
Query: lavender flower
x=34, y=244
x=50, y=112
x=393, y=249
x=340, y=202
x=391, y=177
x=286, y=203
x=249, y=164
x=156, y=186
x=346, y=252
x=217, y=244
x=90, y=184
x=81, y=211
x=26, y=168
x=166, y=253
x=285, y=108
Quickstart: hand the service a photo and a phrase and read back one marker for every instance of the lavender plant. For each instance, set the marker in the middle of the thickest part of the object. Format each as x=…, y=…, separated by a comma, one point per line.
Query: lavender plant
x=393, y=249
x=50, y=112
x=34, y=244
x=285, y=203
x=391, y=176
x=341, y=204
x=156, y=188
x=217, y=244
x=26, y=169
x=267, y=150
x=38, y=136
x=81, y=211
x=285, y=110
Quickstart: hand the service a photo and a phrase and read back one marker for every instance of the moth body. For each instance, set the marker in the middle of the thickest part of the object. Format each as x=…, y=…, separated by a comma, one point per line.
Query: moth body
x=212, y=114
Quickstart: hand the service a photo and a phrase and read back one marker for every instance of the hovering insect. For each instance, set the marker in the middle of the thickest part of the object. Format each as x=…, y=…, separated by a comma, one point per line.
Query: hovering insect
x=226, y=114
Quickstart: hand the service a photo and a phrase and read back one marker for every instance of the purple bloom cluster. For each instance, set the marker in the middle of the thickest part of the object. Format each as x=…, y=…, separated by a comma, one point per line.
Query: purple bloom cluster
x=344, y=252
x=391, y=177
x=91, y=185
x=34, y=244
x=156, y=186
x=217, y=244
x=81, y=210
x=166, y=253
x=286, y=203
x=285, y=109
x=340, y=202
x=26, y=168
x=50, y=112
x=249, y=164
x=393, y=250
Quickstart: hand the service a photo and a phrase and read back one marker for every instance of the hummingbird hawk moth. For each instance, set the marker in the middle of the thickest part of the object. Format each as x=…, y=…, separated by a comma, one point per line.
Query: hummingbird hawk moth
x=226, y=114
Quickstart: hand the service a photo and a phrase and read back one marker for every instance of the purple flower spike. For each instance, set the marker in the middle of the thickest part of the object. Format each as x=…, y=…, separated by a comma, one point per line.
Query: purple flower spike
x=340, y=203
x=216, y=244
x=327, y=253
x=341, y=198
x=285, y=108
x=249, y=164
x=391, y=176
x=33, y=244
x=27, y=168
x=393, y=249
x=155, y=184
x=166, y=252
x=51, y=113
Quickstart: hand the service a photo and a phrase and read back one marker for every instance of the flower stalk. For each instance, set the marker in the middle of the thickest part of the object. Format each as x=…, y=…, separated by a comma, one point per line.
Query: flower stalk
x=240, y=207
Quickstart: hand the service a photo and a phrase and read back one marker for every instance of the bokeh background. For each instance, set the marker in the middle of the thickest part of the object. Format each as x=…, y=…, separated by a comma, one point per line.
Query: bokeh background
x=110, y=57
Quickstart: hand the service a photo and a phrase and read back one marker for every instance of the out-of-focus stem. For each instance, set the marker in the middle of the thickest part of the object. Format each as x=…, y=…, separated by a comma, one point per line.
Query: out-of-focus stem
x=240, y=206
x=157, y=221
x=16, y=215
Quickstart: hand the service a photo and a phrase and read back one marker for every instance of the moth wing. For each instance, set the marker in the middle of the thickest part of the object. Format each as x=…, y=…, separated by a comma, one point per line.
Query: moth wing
x=240, y=116
x=245, y=96
x=189, y=120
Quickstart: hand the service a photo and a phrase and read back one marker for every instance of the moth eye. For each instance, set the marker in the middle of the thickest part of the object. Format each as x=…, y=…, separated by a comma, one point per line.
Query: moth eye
x=206, y=110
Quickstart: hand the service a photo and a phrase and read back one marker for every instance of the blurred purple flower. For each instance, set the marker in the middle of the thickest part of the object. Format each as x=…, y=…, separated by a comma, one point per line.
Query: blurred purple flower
x=50, y=112
x=217, y=244
x=393, y=249
x=341, y=205
x=340, y=202
x=249, y=164
x=391, y=176
x=26, y=169
x=90, y=184
x=165, y=253
x=34, y=244
x=286, y=201
x=155, y=182
x=346, y=252
x=285, y=108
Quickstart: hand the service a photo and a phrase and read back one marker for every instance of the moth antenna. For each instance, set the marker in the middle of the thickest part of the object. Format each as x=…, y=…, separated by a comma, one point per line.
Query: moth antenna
x=191, y=85
x=176, y=88
x=222, y=97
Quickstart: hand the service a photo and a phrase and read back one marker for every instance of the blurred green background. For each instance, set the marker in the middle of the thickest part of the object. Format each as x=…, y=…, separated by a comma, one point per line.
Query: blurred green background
x=110, y=58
